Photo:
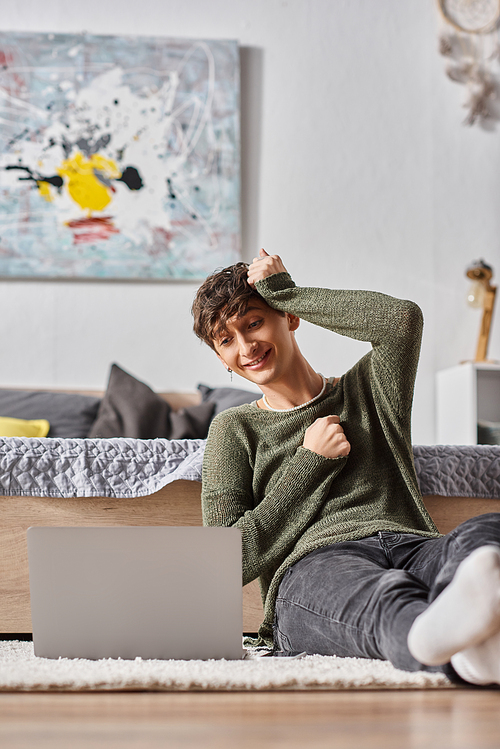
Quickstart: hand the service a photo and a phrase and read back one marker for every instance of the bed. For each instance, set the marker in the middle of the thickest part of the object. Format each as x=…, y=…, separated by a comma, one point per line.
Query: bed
x=166, y=491
x=119, y=480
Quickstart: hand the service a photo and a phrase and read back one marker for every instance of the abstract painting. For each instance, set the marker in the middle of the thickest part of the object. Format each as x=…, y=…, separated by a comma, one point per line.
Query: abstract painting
x=119, y=156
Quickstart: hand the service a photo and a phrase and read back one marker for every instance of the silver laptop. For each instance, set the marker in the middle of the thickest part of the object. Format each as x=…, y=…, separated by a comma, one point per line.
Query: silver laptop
x=128, y=592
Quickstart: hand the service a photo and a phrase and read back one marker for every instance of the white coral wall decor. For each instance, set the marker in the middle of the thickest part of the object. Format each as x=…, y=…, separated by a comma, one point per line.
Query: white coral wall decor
x=469, y=41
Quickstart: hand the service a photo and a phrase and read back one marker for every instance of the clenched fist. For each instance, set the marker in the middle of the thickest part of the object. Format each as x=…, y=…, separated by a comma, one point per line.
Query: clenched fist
x=326, y=437
x=263, y=266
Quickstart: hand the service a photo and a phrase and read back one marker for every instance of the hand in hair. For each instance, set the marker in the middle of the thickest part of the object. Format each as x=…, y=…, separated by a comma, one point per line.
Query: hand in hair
x=263, y=266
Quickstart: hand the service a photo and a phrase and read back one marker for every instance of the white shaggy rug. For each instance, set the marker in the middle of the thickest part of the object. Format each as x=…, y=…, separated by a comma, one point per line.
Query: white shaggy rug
x=21, y=670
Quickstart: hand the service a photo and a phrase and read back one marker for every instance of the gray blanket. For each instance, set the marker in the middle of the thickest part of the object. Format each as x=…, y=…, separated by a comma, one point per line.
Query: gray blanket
x=119, y=467
x=458, y=470
x=125, y=467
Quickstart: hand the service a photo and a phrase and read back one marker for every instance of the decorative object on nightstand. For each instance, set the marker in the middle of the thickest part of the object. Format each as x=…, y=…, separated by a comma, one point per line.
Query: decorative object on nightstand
x=482, y=294
x=468, y=395
x=470, y=42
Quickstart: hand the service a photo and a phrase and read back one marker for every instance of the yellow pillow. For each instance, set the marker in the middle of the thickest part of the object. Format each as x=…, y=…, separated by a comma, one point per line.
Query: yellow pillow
x=21, y=428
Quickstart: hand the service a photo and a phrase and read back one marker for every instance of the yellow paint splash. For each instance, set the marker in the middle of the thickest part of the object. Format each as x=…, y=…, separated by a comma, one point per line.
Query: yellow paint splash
x=83, y=186
x=44, y=190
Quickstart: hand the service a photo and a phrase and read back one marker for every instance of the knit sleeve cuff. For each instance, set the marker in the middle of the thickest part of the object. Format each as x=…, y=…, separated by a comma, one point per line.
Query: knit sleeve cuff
x=277, y=282
x=306, y=472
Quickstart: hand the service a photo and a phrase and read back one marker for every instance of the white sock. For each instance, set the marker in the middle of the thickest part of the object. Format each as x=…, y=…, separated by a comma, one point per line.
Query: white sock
x=465, y=614
x=480, y=664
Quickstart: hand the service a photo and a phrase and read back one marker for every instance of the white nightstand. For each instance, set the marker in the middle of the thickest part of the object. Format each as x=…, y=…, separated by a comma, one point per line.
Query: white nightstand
x=466, y=394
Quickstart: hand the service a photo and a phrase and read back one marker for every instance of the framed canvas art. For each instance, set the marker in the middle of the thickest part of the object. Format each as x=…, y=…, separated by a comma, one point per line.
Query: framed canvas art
x=119, y=156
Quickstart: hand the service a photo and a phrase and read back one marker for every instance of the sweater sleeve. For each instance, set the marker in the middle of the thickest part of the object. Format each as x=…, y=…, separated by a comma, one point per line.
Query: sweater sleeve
x=393, y=327
x=270, y=528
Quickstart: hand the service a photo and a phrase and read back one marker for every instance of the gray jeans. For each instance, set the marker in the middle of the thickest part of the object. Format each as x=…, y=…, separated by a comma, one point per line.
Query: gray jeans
x=360, y=598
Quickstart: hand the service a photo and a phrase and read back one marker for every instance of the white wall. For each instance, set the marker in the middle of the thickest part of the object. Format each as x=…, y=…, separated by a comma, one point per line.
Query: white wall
x=355, y=168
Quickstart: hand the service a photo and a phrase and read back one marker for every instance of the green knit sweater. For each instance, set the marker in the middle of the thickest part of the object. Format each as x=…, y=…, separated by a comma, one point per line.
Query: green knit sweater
x=286, y=499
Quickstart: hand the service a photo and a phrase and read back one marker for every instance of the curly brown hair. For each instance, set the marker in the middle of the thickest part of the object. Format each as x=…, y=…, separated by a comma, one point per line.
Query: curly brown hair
x=221, y=296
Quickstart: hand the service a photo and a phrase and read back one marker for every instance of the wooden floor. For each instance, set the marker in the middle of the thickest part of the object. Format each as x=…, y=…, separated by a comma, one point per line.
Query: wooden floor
x=465, y=719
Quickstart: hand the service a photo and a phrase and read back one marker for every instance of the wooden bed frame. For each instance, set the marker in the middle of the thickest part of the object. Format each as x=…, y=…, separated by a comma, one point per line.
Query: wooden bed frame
x=178, y=503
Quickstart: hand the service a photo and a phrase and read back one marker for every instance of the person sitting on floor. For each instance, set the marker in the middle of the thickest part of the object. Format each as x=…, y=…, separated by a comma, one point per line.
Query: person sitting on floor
x=318, y=474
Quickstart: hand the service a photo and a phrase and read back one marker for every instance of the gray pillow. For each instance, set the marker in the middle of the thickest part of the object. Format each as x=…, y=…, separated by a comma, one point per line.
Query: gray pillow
x=226, y=397
x=69, y=415
x=191, y=422
x=130, y=408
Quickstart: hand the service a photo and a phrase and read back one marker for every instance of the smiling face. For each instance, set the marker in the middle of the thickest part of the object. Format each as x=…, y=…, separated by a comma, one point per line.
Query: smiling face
x=259, y=345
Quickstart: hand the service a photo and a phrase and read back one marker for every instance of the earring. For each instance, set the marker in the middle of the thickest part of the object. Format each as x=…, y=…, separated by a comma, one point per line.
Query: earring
x=231, y=373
